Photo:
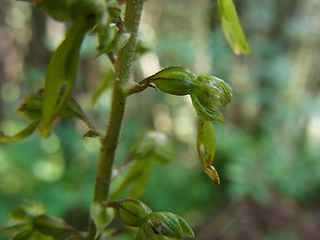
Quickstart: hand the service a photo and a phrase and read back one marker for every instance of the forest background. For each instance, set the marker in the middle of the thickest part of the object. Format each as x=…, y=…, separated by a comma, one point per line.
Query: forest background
x=267, y=153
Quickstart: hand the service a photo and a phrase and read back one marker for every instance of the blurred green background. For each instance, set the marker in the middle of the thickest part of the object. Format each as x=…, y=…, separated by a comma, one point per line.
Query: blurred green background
x=267, y=154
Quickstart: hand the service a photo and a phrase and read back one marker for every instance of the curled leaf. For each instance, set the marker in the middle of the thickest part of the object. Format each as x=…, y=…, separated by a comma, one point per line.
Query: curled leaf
x=32, y=107
x=174, y=80
x=14, y=228
x=206, y=146
x=20, y=135
x=61, y=73
x=232, y=28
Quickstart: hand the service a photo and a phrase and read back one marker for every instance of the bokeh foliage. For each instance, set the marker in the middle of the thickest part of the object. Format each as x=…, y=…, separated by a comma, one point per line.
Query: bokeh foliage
x=267, y=153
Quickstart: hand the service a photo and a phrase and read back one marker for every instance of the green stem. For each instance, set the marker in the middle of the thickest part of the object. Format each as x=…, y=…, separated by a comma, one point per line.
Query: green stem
x=110, y=142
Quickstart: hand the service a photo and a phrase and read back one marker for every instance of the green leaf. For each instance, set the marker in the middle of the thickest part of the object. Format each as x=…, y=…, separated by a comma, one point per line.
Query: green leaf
x=31, y=235
x=27, y=211
x=206, y=146
x=101, y=216
x=24, y=235
x=57, y=9
x=111, y=39
x=61, y=73
x=141, y=48
x=14, y=228
x=232, y=28
x=78, y=10
x=119, y=42
x=32, y=107
x=20, y=213
x=149, y=148
x=134, y=177
x=131, y=212
x=20, y=135
x=106, y=36
x=104, y=85
x=50, y=225
x=155, y=145
x=142, y=175
x=74, y=110
x=173, y=80
x=88, y=10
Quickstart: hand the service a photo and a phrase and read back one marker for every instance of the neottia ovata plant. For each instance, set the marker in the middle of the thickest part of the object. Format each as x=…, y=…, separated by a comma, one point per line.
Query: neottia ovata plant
x=115, y=24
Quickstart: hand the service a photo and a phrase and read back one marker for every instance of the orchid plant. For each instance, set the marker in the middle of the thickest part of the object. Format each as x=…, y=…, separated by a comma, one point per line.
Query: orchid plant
x=115, y=24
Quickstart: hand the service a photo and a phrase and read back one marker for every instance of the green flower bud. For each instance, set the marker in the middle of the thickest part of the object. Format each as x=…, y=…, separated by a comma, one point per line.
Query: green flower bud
x=159, y=225
x=209, y=93
x=174, y=80
x=206, y=146
x=131, y=212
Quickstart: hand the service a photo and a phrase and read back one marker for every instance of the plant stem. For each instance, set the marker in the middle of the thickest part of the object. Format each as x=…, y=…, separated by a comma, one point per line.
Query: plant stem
x=110, y=141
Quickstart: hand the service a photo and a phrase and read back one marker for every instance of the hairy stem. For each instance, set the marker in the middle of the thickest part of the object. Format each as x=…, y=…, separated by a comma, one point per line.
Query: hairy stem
x=110, y=141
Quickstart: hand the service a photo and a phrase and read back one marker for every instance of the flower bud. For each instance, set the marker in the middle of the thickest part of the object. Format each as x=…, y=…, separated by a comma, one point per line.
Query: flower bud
x=160, y=225
x=57, y=9
x=209, y=93
x=206, y=146
x=174, y=80
x=131, y=212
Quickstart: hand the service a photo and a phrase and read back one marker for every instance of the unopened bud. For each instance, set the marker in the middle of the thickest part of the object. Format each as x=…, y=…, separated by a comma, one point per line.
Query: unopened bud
x=131, y=212
x=209, y=93
x=174, y=80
